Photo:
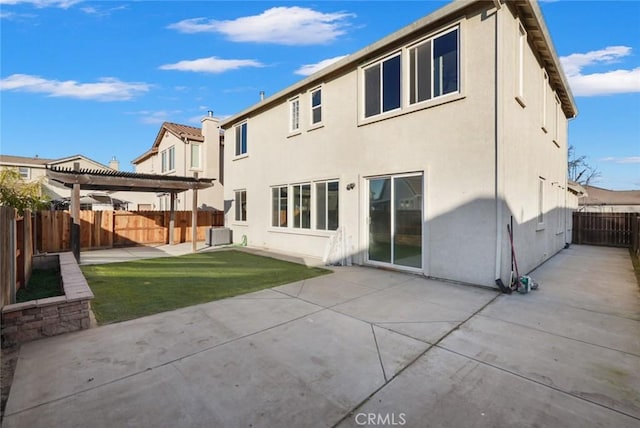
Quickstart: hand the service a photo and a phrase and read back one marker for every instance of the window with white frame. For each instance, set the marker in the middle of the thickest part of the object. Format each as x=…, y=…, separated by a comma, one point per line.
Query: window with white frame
x=195, y=156
x=541, y=200
x=241, y=139
x=545, y=86
x=25, y=172
x=326, y=205
x=522, y=43
x=302, y=206
x=294, y=114
x=434, y=67
x=241, y=205
x=168, y=158
x=556, y=127
x=316, y=106
x=163, y=156
x=279, y=199
x=382, y=86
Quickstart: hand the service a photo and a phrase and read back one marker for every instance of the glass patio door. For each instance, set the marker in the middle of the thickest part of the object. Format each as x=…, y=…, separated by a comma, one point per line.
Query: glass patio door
x=395, y=220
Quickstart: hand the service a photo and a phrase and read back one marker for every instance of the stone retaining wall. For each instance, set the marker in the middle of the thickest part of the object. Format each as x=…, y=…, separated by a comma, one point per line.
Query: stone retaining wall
x=35, y=319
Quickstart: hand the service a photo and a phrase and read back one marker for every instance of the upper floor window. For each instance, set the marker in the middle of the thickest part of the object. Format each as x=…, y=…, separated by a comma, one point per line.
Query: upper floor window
x=24, y=171
x=294, y=114
x=522, y=44
x=168, y=159
x=316, y=106
x=241, y=139
x=382, y=88
x=434, y=67
x=195, y=156
x=545, y=86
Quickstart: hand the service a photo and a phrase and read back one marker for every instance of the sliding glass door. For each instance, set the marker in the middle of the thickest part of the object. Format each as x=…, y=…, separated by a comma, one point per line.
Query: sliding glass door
x=395, y=220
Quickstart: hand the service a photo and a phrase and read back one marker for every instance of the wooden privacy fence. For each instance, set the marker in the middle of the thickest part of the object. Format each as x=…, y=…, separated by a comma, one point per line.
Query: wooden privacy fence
x=607, y=229
x=16, y=251
x=108, y=229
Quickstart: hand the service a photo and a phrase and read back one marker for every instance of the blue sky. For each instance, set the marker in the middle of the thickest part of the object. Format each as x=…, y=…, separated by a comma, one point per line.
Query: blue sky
x=98, y=78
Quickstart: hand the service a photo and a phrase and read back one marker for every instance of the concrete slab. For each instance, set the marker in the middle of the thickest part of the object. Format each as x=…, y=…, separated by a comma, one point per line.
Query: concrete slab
x=77, y=362
x=326, y=291
x=444, y=389
x=600, y=375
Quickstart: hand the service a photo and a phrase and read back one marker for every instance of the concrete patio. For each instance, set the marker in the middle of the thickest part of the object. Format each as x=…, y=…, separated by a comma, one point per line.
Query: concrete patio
x=358, y=347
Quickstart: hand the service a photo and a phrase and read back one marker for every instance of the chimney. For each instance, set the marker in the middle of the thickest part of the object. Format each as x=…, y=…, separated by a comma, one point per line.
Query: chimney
x=210, y=113
x=114, y=164
x=261, y=95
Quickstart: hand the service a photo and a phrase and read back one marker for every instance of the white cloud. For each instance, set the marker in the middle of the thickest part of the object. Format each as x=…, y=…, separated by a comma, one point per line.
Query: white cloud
x=64, y=4
x=279, y=25
x=309, y=69
x=211, y=65
x=101, y=12
x=619, y=81
x=106, y=89
x=628, y=159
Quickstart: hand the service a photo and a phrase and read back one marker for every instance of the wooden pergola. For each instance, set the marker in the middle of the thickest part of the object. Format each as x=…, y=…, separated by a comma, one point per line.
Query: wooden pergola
x=85, y=179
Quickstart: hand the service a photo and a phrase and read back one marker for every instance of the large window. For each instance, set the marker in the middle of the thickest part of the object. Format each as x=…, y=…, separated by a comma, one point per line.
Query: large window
x=294, y=112
x=316, y=106
x=434, y=67
x=241, y=139
x=195, y=156
x=279, y=206
x=327, y=205
x=302, y=206
x=241, y=205
x=382, y=87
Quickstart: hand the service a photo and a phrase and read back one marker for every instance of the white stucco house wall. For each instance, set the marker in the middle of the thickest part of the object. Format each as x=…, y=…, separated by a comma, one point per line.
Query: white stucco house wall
x=415, y=152
x=183, y=150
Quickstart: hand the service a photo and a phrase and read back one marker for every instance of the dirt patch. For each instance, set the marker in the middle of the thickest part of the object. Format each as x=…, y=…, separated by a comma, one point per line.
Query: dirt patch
x=9, y=362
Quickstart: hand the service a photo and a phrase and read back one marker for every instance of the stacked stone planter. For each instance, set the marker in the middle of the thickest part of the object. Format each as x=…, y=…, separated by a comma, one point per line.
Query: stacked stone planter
x=35, y=319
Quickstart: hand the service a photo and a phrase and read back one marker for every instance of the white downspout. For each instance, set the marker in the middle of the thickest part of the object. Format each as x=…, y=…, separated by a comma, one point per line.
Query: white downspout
x=497, y=137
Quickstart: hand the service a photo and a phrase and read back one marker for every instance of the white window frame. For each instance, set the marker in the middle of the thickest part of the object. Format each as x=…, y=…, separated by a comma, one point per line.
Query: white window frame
x=163, y=161
x=541, y=183
x=240, y=200
x=556, y=130
x=522, y=44
x=294, y=115
x=313, y=108
x=199, y=149
x=431, y=39
x=316, y=211
x=279, y=207
x=238, y=145
x=545, y=89
x=171, y=159
x=293, y=205
x=25, y=172
x=380, y=62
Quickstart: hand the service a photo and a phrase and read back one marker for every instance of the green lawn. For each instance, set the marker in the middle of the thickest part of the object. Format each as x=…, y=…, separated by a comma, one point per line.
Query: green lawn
x=130, y=290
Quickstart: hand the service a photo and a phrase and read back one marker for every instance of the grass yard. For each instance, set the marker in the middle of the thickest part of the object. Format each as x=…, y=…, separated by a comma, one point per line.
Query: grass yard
x=134, y=289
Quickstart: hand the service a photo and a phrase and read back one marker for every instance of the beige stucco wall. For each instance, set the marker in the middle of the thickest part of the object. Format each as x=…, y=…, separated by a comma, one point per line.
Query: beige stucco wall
x=450, y=140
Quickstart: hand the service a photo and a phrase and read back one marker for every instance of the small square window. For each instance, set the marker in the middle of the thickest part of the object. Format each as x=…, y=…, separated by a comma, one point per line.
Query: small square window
x=25, y=172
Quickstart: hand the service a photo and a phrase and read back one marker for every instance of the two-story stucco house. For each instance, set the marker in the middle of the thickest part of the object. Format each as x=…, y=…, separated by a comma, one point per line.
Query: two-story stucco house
x=183, y=150
x=416, y=152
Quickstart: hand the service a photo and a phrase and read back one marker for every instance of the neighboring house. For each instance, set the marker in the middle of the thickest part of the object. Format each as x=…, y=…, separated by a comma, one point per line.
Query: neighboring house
x=601, y=200
x=34, y=169
x=415, y=152
x=183, y=150
x=575, y=192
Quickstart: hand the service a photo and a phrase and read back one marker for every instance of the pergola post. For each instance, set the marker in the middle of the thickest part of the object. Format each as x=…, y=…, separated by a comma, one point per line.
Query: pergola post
x=194, y=216
x=172, y=217
x=75, y=216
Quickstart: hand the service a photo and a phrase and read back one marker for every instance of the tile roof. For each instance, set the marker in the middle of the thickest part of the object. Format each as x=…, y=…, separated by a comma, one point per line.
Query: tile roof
x=24, y=160
x=600, y=196
x=181, y=131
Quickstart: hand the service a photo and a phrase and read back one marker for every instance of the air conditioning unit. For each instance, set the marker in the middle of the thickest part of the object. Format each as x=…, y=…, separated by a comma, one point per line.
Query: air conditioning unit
x=218, y=236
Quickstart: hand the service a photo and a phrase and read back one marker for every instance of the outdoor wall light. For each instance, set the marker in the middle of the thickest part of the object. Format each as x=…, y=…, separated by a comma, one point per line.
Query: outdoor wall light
x=351, y=186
